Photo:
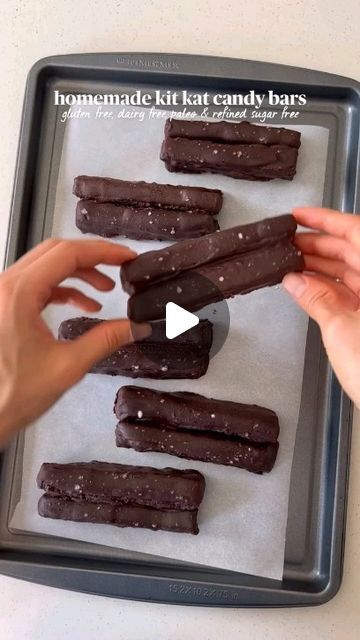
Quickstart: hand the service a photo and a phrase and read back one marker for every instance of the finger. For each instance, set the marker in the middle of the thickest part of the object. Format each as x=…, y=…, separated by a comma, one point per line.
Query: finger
x=341, y=225
x=71, y=255
x=102, y=341
x=35, y=253
x=69, y=295
x=334, y=269
x=321, y=298
x=319, y=244
x=94, y=277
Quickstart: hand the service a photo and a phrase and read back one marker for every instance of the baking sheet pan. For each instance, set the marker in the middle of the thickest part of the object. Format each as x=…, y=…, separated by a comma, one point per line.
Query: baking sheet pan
x=313, y=556
x=261, y=361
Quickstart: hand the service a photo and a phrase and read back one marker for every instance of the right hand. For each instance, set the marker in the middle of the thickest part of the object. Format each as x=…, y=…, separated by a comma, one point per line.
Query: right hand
x=329, y=291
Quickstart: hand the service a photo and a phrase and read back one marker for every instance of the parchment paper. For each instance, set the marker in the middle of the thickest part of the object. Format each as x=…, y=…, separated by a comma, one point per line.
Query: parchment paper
x=243, y=516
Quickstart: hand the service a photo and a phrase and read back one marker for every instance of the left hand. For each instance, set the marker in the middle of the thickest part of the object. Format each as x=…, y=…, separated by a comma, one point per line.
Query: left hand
x=36, y=369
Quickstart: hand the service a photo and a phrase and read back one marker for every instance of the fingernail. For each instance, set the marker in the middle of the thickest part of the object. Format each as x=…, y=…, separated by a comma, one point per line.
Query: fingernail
x=140, y=331
x=295, y=284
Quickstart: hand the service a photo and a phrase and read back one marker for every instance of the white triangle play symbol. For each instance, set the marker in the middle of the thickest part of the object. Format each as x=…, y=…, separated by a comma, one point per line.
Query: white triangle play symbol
x=178, y=320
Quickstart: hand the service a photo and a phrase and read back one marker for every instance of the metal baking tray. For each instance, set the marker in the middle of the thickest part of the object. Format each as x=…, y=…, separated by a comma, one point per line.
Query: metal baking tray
x=317, y=504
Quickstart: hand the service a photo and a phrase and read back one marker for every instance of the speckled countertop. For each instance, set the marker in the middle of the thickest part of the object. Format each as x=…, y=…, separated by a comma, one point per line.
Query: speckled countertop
x=319, y=34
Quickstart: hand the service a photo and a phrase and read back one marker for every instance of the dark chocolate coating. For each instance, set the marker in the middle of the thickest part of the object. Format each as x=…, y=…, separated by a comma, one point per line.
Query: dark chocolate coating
x=157, y=361
x=108, y=219
x=120, y=515
x=152, y=266
x=247, y=162
x=185, y=410
x=239, y=274
x=187, y=356
x=204, y=446
x=232, y=132
x=106, y=482
x=199, y=336
x=146, y=194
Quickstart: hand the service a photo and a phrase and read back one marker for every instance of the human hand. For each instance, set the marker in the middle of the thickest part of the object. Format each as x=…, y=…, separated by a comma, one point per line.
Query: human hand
x=330, y=292
x=36, y=369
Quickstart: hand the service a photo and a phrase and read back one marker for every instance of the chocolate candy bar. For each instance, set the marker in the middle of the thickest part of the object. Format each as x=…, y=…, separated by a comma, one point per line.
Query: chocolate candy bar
x=239, y=150
x=146, y=194
x=216, y=281
x=238, y=261
x=121, y=516
x=248, y=162
x=232, y=132
x=108, y=219
x=107, y=482
x=185, y=410
x=191, y=426
x=186, y=356
x=205, y=446
x=126, y=496
x=152, y=266
x=199, y=336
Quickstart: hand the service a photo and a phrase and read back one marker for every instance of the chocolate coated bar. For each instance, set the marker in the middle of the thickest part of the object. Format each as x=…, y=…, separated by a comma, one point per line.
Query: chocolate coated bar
x=146, y=194
x=187, y=356
x=119, y=515
x=249, y=162
x=152, y=266
x=258, y=458
x=107, y=482
x=191, y=411
x=126, y=496
x=232, y=132
x=199, y=336
x=108, y=219
x=216, y=281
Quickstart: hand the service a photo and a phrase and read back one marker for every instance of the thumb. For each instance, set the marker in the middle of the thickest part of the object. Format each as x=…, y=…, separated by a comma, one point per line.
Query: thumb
x=318, y=296
x=103, y=340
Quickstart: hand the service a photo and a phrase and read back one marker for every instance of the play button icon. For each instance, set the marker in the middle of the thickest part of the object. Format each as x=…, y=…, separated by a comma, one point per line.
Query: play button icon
x=178, y=320
x=178, y=336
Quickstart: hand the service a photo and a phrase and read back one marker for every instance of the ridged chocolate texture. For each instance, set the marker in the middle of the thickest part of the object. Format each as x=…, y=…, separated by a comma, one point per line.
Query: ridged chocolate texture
x=187, y=356
x=108, y=220
x=147, y=194
x=217, y=281
x=119, y=515
x=248, y=162
x=106, y=482
x=191, y=411
x=207, y=447
x=232, y=132
x=152, y=266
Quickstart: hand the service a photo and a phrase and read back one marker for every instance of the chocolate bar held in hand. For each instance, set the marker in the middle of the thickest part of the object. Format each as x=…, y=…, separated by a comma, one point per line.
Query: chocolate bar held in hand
x=238, y=150
x=196, y=273
x=148, y=194
x=186, y=356
x=107, y=219
x=191, y=426
x=122, y=495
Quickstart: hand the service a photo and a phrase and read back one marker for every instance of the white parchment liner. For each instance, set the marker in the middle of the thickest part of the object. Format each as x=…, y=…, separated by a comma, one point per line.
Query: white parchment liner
x=243, y=516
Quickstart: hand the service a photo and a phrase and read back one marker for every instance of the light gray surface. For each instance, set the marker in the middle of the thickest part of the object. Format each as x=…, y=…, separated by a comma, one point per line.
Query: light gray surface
x=322, y=35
